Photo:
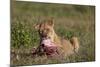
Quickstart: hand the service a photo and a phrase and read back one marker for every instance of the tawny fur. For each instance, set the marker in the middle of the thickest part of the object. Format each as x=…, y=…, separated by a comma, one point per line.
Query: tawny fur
x=66, y=47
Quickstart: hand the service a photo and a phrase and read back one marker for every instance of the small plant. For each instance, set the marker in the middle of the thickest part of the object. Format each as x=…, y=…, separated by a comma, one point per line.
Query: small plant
x=65, y=33
x=22, y=35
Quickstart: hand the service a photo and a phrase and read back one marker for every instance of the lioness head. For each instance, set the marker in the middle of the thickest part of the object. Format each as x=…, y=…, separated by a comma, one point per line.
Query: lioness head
x=45, y=29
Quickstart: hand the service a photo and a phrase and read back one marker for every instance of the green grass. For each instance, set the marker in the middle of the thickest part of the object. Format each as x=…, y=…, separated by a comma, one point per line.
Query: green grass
x=69, y=20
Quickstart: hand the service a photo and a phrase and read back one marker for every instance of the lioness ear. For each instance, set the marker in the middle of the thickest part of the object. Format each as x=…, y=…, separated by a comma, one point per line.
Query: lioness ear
x=51, y=22
x=36, y=26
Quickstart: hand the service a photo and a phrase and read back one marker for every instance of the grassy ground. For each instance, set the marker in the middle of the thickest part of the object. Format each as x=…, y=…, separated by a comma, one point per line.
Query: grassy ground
x=69, y=20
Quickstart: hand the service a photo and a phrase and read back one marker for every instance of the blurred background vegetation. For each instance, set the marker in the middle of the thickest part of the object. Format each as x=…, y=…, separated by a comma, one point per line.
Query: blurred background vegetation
x=69, y=20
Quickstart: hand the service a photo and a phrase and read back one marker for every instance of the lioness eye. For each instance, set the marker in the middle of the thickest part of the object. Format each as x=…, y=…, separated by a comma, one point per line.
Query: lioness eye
x=47, y=29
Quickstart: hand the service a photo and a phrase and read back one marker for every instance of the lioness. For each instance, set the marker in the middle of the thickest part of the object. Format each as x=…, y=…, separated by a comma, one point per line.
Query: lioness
x=66, y=47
